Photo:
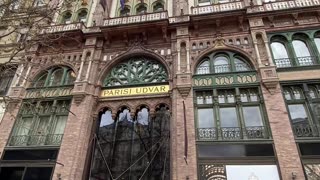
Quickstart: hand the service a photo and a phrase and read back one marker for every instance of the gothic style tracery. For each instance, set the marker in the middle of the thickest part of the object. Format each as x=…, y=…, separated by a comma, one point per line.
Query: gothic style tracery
x=137, y=70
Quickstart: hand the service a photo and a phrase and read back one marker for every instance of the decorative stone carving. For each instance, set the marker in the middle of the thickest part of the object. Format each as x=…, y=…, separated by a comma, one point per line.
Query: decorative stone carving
x=269, y=78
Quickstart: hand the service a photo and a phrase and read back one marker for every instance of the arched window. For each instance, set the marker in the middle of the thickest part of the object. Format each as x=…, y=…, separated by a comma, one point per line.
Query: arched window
x=141, y=9
x=60, y=76
x=66, y=18
x=125, y=11
x=279, y=51
x=302, y=52
x=137, y=70
x=158, y=7
x=317, y=41
x=222, y=62
x=82, y=15
x=203, y=68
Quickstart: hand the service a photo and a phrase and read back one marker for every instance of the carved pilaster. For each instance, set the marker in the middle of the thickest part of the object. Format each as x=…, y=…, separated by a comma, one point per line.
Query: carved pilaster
x=184, y=84
x=269, y=78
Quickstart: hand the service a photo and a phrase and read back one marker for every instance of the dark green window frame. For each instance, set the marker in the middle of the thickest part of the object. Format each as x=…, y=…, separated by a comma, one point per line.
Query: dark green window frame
x=293, y=59
x=228, y=101
x=303, y=97
x=56, y=76
x=40, y=123
x=232, y=63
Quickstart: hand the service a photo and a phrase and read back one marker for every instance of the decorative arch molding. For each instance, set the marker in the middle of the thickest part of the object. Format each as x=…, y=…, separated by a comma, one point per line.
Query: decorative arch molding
x=221, y=49
x=133, y=52
x=36, y=72
x=133, y=105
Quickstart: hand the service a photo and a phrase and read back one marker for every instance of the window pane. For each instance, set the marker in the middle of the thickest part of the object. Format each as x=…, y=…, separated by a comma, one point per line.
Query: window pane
x=252, y=172
x=228, y=117
x=206, y=118
x=143, y=117
x=106, y=119
x=203, y=68
x=297, y=113
x=300, y=48
x=38, y=173
x=24, y=126
x=221, y=64
x=60, y=124
x=252, y=116
x=11, y=173
x=279, y=51
x=240, y=65
x=317, y=41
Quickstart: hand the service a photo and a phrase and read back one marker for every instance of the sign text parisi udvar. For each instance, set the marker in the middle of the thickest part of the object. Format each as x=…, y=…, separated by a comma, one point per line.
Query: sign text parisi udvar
x=135, y=91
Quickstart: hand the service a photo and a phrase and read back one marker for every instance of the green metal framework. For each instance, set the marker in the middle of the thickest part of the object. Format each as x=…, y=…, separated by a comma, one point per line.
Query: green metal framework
x=56, y=76
x=310, y=38
x=134, y=7
x=135, y=71
x=303, y=104
x=40, y=123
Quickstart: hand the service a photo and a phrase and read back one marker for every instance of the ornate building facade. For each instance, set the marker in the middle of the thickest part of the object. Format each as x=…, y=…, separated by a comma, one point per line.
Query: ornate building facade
x=158, y=89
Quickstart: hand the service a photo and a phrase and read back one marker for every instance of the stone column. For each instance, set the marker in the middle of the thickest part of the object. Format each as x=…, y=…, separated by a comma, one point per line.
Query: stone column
x=283, y=137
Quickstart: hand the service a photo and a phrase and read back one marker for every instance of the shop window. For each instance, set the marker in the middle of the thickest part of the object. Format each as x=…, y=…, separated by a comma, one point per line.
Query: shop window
x=57, y=76
x=230, y=118
x=303, y=104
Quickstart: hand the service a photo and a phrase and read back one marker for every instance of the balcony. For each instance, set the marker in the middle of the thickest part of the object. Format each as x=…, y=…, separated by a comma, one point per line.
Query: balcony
x=305, y=131
x=62, y=28
x=295, y=62
x=215, y=8
x=136, y=19
x=36, y=140
x=283, y=5
x=232, y=133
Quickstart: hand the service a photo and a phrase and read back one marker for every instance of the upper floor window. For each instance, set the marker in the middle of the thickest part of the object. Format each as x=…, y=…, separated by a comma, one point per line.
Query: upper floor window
x=141, y=9
x=317, y=40
x=137, y=70
x=38, y=3
x=158, y=7
x=300, y=51
x=58, y=76
x=222, y=62
x=125, y=11
x=6, y=78
x=66, y=18
x=82, y=15
x=14, y=4
x=303, y=102
x=230, y=114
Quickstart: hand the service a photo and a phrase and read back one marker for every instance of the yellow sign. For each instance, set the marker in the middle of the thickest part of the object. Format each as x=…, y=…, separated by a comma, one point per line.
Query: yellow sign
x=135, y=91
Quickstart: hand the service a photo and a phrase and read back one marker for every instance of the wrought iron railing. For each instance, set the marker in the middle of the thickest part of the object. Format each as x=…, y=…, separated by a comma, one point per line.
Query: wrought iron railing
x=36, y=140
x=203, y=70
x=305, y=130
x=232, y=133
x=299, y=61
x=216, y=8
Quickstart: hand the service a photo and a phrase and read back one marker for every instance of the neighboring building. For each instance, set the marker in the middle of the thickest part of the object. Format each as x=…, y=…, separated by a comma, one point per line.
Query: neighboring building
x=153, y=89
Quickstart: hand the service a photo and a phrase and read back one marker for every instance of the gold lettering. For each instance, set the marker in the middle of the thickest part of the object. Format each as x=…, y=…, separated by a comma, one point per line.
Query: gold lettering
x=135, y=91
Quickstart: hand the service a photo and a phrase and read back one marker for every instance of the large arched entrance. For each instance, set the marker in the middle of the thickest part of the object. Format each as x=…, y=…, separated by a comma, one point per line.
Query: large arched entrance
x=132, y=139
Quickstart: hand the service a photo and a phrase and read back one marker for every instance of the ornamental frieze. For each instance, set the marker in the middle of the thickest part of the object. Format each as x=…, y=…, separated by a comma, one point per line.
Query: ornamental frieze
x=48, y=92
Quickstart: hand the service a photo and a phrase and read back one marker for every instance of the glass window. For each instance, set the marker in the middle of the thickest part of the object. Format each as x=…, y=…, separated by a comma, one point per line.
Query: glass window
x=158, y=7
x=221, y=64
x=82, y=16
x=297, y=113
x=229, y=117
x=302, y=53
x=206, y=118
x=240, y=65
x=56, y=77
x=279, y=51
x=203, y=68
x=252, y=116
x=317, y=41
x=66, y=18
x=125, y=11
x=141, y=9
x=252, y=172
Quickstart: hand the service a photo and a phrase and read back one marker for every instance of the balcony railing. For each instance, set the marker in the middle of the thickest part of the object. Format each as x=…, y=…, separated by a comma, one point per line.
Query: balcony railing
x=136, y=19
x=299, y=61
x=232, y=133
x=305, y=130
x=215, y=8
x=282, y=5
x=62, y=28
x=36, y=140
